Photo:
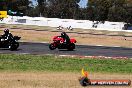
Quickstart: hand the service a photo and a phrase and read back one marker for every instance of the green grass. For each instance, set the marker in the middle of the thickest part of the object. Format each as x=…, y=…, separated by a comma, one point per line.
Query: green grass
x=12, y=62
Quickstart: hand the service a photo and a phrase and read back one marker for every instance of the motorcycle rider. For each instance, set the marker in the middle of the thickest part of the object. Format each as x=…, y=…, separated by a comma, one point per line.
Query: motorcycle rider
x=65, y=37
x=7, y=35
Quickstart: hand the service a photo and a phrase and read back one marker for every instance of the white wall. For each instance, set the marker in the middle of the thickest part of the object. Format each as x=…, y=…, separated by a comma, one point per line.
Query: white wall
x=55, y=22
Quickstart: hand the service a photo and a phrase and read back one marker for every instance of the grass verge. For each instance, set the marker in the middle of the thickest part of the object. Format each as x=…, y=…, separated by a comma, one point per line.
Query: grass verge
x=13, y=62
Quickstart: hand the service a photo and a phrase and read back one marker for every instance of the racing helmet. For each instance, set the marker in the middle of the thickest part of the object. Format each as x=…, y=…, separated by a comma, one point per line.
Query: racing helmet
x=6, y=31
x=63, y=33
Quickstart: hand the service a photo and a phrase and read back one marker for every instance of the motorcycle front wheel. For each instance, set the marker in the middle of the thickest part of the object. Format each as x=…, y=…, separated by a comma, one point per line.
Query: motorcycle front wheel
x=52, y=46
x=14, y=46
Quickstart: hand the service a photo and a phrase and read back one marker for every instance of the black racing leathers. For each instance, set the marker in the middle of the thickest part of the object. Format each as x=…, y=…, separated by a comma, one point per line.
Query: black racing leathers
x=66, y=38
x=8, y=36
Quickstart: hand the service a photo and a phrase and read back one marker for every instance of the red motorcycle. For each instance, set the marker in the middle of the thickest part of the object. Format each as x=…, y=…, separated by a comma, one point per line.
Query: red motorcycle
x=59, y=42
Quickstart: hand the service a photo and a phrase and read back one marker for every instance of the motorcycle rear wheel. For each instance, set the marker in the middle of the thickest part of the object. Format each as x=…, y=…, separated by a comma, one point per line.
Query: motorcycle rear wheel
x=71, y=46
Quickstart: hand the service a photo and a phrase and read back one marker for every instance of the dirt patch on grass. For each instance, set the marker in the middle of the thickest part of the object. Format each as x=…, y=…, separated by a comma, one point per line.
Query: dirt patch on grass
x=88, y=39
x=52, y=79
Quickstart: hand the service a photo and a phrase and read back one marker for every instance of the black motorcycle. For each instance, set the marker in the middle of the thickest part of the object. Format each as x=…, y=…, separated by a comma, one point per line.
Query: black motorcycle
x=11, y=44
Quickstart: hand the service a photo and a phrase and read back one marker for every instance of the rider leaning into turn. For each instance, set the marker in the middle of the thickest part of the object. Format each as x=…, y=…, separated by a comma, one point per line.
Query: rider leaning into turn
x=65, y=37
x=7, y=35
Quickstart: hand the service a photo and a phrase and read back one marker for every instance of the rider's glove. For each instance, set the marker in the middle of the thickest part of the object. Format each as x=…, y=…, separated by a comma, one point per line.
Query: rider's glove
x=6, y=39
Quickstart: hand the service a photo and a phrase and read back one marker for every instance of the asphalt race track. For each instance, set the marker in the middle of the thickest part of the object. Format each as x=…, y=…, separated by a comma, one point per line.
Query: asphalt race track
x=42, y=48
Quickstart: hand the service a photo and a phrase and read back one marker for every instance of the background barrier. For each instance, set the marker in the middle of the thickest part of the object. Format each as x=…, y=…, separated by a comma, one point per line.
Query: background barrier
x=56, y=22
